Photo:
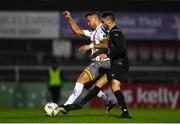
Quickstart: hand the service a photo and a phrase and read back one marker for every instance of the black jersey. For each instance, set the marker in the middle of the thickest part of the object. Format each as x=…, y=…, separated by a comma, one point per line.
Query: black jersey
x=117, y=45
x=118, y=55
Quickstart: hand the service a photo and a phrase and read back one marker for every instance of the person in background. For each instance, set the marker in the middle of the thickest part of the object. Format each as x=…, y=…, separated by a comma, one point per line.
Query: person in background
x=55, y=82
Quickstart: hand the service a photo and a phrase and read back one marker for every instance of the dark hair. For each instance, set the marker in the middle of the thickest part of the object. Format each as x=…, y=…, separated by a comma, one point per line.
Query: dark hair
x=109, y=15
x=93, y=13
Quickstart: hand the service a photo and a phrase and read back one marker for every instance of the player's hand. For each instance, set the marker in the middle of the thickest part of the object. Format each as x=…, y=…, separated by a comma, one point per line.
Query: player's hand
x=67, y=14
x=84, y=48
x=103, y=56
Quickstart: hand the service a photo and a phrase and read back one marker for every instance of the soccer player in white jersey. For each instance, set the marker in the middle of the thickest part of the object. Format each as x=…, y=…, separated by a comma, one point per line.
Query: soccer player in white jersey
x=91, y=72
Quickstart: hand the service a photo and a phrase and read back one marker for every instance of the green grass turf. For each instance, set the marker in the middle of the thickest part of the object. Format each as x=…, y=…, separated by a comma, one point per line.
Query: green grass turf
x=90, y=116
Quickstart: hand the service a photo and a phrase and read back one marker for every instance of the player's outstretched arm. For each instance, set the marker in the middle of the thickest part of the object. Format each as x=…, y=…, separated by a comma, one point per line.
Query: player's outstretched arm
x=102, y=45
x=74, y=27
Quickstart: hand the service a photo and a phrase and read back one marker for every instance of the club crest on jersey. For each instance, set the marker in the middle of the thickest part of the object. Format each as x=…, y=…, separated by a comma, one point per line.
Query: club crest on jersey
x=104, y=35
x=116, y=35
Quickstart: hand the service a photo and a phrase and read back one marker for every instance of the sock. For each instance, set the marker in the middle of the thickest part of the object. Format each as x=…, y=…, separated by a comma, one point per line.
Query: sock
x=103, y=97
x=74, y=106
x=120, y=98
x=90, y=95
x=75, y=94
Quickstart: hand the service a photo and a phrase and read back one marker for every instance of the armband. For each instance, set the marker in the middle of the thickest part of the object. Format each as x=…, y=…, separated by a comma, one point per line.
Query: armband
x=91, y=45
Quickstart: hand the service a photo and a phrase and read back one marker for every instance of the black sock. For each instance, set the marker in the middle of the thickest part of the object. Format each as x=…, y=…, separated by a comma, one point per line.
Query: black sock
x=74, y=106
x=90, y=95
x=120, y=98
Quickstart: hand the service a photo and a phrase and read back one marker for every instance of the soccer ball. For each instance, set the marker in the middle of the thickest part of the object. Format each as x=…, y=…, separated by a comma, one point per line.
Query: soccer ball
x=51, y=109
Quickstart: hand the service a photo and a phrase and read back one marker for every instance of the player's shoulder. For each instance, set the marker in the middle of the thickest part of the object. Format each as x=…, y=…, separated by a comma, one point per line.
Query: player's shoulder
x=115, y=29
x=87, y=33
x=86, y=30
x=116, y=32
x=102, y=31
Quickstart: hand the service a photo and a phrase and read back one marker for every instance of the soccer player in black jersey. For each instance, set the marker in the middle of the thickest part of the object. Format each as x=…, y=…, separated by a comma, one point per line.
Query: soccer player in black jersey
x=118, y=59
x=119, y=67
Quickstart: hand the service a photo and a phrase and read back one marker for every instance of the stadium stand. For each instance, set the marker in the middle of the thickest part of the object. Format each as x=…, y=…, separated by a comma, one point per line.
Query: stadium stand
x=37, y=54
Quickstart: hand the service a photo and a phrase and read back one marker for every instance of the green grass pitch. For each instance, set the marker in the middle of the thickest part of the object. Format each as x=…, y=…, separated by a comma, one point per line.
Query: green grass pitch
x=90, y=116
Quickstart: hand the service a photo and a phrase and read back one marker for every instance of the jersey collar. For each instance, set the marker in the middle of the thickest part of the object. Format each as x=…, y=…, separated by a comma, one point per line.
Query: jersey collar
x=98, y=27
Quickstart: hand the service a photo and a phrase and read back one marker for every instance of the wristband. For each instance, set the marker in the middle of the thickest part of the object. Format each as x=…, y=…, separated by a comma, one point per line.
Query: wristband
x=91, y=45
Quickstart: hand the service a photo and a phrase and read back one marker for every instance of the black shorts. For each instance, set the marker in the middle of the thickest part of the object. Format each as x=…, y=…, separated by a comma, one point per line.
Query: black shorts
x=118, y=71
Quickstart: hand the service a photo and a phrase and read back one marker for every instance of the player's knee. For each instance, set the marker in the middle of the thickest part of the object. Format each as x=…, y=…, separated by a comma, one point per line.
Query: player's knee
x=116, y=85
x=102, y=81
x=99, y=85
x=83, y=78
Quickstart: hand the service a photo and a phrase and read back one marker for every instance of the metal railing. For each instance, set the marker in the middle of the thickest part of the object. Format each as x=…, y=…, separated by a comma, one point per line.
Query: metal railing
x=138, y=72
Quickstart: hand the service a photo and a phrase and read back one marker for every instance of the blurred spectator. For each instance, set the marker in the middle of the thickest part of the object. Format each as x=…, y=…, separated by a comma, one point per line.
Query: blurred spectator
x=55, y=82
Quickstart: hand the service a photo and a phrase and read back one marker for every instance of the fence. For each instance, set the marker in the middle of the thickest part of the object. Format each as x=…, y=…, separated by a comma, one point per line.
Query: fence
x=70, y=73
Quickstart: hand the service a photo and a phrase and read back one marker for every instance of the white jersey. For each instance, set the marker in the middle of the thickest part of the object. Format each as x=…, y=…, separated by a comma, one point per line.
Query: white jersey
x=96, y=37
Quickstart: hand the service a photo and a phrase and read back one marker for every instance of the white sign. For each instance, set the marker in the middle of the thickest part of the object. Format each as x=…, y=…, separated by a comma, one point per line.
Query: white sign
x=29, y=24
x=62, y=48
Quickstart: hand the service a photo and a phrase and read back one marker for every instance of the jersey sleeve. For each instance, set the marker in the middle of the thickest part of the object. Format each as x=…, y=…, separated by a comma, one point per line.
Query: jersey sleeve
x=87, y=33
x=118, y=39
x=118, y=42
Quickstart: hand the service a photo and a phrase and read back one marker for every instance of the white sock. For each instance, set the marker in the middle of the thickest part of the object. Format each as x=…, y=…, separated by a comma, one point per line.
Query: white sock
x=75, y=94
x=103, y=96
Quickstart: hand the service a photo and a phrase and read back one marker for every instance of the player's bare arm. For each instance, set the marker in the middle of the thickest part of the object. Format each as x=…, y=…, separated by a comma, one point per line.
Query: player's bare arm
x=102, y=45
x=84, y=48
x=74, y=27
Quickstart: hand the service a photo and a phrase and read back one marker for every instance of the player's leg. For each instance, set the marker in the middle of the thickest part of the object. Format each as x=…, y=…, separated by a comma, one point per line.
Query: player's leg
x=102, y=67
x=99, y=84
x=97, y=89
x=94, y=92
x=120, y=98
x=117, y=75
x=82, y=79
x=89, y=86
x=118, y=94
x=89, y=74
